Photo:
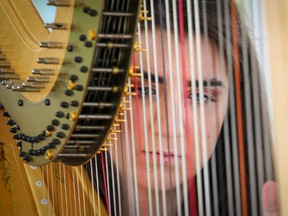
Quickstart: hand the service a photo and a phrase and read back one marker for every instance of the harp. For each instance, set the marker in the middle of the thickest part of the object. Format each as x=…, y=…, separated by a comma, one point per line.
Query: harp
x=79, y=90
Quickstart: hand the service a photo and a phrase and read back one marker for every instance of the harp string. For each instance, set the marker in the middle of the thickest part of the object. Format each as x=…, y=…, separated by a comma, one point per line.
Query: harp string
x=198, y=185
x=257, y=136
x=129, y=176
x=184, y=103
x=196, y=140
x=166, y=126
x=149, y=61
x=263, y=137
x=158, y=104
x=114, y=183
x=236, y=68
x=177, y=98
x=211, y=60
x=119, y=194
x=144, y=113
x=207, y=197
x=107, y=182
x=92, y=184
x=167, y=72
x=233, y=137
x=132, y=120
x=97, y=184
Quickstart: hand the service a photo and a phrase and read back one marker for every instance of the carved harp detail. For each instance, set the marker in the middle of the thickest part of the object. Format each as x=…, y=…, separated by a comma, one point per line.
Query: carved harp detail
x=168, y=116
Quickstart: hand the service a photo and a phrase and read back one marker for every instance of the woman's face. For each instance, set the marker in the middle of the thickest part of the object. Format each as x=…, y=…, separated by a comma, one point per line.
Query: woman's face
x=178, y=142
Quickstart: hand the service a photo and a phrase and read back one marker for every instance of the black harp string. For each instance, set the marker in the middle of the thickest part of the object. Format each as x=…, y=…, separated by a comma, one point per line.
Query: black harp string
x=252, y=139
x=226, y=138
x=214, y=168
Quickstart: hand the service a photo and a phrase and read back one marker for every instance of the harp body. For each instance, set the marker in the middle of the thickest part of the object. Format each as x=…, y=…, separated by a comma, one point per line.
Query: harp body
x=20, y=188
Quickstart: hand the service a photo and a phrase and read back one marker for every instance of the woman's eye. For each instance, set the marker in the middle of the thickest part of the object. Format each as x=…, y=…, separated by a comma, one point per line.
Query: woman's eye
x=144, y=91
x=205, y=97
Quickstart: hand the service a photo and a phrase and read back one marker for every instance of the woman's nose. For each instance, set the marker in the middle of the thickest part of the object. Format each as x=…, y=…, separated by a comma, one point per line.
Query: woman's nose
x=169, y=116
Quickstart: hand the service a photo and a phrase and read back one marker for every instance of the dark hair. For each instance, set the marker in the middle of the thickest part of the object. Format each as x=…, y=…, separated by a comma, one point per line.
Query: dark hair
x=215, y=23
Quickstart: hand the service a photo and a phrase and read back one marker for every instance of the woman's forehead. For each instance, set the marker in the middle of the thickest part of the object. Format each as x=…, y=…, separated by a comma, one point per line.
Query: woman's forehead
x=164, y=54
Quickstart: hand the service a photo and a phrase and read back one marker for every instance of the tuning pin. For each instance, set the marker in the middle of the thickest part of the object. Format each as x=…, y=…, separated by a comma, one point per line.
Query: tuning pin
x=58, y=3
x=43, y=71
x=132, y=74
x=112, y=139
x=47, y=60
x=115, y=131
x=49, y=154
x=48, y=133
x=120, y=120
x=38, y=79
x=7, y=71
x=51, y=45
x=71, y=85
x=92, y=34
x=8, y=76
x=4, y=64
x=107, y=145
x=143, y=18
x=33, y=85
x=2, y=57
x=126, y=108
x=73, y=116
x=56, y=26
x=29, y=90
x=137, y=47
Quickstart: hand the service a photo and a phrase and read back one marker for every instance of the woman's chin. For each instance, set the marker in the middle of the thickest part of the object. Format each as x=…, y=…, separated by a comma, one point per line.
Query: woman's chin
x=162, y=181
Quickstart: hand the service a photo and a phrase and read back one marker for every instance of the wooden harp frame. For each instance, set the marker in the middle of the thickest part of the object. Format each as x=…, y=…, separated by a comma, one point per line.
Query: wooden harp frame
x=277, y=28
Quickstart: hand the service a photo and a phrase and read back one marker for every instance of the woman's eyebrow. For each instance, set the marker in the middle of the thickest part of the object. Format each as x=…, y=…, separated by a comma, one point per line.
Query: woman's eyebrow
x=207, y=83
x=153, y=77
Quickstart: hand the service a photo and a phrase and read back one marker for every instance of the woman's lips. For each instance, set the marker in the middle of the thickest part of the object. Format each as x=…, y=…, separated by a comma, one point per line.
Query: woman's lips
x=165, y=155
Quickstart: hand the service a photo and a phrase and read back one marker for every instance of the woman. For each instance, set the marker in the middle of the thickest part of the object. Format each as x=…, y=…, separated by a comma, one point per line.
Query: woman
x=184, y=151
